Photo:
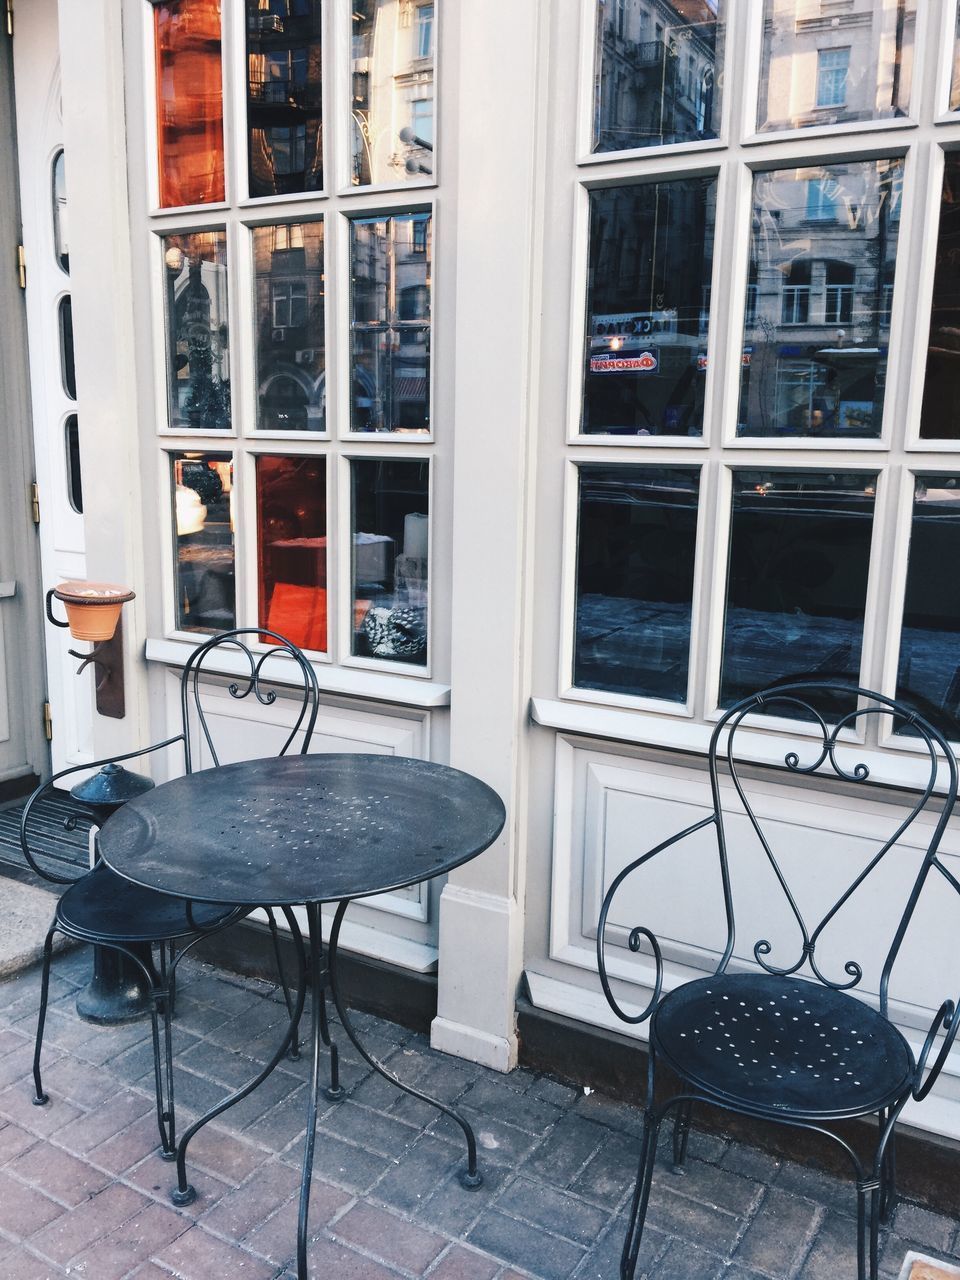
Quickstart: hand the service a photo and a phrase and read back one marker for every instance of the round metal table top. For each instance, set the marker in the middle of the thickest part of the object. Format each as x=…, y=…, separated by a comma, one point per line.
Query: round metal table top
x=297, y=829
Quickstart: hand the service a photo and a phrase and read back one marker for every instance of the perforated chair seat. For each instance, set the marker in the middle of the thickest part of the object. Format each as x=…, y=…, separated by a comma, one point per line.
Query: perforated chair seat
x=103, y=907
x=766, y=1045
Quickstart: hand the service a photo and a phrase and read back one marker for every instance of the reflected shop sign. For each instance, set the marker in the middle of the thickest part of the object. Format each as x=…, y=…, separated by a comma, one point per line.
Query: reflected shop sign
x=621, y=343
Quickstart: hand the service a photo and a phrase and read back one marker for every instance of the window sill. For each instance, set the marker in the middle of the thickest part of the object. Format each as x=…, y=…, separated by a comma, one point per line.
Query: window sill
x=348, y=682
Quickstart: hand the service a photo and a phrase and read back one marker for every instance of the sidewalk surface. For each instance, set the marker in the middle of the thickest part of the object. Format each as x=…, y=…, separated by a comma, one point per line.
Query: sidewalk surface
x=84, y=1194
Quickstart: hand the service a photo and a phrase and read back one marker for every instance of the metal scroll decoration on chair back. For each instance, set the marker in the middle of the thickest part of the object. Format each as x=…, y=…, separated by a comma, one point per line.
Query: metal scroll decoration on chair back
x=154, y=930
x=774, y=1032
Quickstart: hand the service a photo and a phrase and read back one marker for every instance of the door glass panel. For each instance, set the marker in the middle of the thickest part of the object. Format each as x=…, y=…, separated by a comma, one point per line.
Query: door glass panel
x=648, y=308
x=202, y=496
x=636, y=537
x=189, y=102
x=825, y=65
x=817, y=320
x=797, y=577
x=658, y=73
x=292, y=542
x=390, y=271
x=390, y=523
x=197, y=330
x=61, y=236
x=71, y=440
x=284, y=96
x=393, y=69
x=289, y=284
x=929, y=670
x=68, y=370
x=938, y=417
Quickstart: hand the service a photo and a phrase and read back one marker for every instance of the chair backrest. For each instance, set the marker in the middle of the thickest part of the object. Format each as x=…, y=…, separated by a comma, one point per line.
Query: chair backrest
x=251, y=682
x=835, y=719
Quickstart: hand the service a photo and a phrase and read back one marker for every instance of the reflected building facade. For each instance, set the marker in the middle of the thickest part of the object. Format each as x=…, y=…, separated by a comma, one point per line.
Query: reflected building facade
x=284, y=96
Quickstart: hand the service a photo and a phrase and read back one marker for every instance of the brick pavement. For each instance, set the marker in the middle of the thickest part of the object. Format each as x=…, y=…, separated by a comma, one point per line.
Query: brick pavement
x=83, y=1193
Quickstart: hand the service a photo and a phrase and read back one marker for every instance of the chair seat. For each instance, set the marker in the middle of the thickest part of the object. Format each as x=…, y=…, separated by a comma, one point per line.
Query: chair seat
x=777, y=1047
x=103, y=907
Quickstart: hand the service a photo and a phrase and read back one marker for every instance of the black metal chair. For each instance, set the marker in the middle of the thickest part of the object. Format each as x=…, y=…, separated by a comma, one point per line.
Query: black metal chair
x=155, y=930
x=756, y=1037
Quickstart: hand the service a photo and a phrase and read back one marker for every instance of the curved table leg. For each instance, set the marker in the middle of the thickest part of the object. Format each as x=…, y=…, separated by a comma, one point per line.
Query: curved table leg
x=185, y=1193
x=471, y=1177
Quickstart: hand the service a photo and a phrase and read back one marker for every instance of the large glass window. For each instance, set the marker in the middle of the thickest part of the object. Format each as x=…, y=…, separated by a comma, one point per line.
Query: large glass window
x=797, y=577
x=290, y=319
x=284, y=96
x=816, y=328
x=829, y=64
x=202, y=499
x=390, y=323
x=939, y=419
x=197, y=330
x=189, y=101
x=292, y=541
x=636, y=544
x=392, y=67
x=61, y=232
x=651, y=258
x=657, y=83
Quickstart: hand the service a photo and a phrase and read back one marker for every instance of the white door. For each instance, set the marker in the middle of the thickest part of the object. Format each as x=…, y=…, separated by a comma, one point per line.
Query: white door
x=57, y=418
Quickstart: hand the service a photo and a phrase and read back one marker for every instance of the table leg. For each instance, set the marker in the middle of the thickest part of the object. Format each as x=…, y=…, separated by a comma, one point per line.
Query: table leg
x=471, y=1177
x=184, y=1192
x=318, y=1031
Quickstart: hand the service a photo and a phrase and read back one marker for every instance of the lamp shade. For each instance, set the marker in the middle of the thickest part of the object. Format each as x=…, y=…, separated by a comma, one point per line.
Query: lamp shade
x=93, y=608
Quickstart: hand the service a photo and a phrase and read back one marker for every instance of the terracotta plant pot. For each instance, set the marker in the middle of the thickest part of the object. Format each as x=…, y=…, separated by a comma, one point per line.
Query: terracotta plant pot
x=93, y=608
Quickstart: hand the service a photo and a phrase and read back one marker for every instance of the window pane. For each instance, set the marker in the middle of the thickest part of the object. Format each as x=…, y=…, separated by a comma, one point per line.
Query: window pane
x=817, y=323
x=291, y=368
x=68, y=368
x=651, y=255
x=393, y=70
x=823, y=69
x=189, y=102
x=797, y=577
x=637, y=531
x=955, y=80
x=938, y=418
x=61, y=237
x=292, y=541
x=197, y=330
x=284, y=99
x=390, y=270
x=71, y=440
x=390, y=548
x=203, y=519
x=658, y=75
x=929, y=670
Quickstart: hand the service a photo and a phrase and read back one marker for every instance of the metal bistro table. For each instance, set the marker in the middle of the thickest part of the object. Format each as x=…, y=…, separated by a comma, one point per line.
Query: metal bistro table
x=302, y=831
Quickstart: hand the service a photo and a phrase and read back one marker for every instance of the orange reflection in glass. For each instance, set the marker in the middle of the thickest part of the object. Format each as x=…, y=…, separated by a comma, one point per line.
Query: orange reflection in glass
x=292, y=542
x=189, y=102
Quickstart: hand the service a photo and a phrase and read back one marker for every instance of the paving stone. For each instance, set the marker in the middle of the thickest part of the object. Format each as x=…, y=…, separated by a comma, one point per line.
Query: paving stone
x=463, y=1264
x=780, y=1233
x=16, y=1104
x=410, y=1180
x=547, y=1089
x=58, y=1174
x=517, y=1109
x=538, y=1252
x=22, y=1265
x=453, y=1208
x=566, y=1151
x=678, y=1215
x=393, y=1239
x=750, y=1162
x=73, y=1232
x=834, y=1252
x=13, y=1140
x=242, y=1210
x=341, y=1163
x=229, y=1157
x=556, y=1211
x=603, y=1260
x=610, y=1174
x=713, y=1186
x=156, y=1179
x=276, y=1238
x=933, y=1231
x=685, y=1261
x=837, y=1194
x=501, y=1142
x=330, y=1258
x=371, y=1130
x=24, y=1210
x=129, y=1147
x=119, y=1252
x=197, y=1255
x=620, y=1117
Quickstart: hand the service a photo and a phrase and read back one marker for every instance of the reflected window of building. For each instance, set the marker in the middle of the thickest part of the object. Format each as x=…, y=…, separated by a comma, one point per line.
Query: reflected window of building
x=289, y=291
x=292, y=548
x=284, y=96
x=202, y=504
x=197, y=330
x=796, y=578
x=822, y=196
x=650, y=260
x=189, y=101
x=68, y=367
x=637, y=529
x=938, y=417
x=390, y=524
x=832, y=68
x=929, y=670
x=656, y=88
x=390, y=323
x=806, y=80
x=61, y=235
x=835, y=278
x=393, y=72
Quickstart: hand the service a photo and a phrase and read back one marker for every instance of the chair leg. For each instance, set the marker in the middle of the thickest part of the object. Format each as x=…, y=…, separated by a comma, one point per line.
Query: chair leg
x=163, y=1057
x=334, y=1090
x=294, y=1050
x=40, y=1098
x=681, y=1132
x=641, y=1195
x=888, y=1175
x=868, y=1229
